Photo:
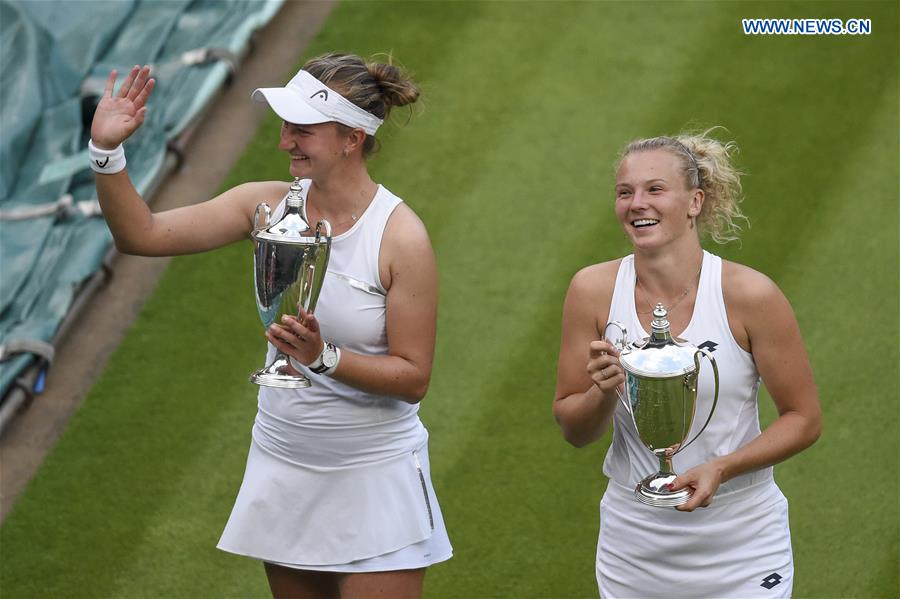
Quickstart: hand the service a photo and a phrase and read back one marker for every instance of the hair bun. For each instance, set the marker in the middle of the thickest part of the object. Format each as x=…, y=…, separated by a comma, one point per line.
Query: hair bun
x=375, y=87
x=396, y=85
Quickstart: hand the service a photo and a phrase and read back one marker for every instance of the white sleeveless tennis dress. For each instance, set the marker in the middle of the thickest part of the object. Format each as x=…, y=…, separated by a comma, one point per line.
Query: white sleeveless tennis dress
x=738, y=547
x=337, y=478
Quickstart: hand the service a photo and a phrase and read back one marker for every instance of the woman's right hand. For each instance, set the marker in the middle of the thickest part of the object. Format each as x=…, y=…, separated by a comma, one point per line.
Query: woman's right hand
x=604, y=367
x=117, y=117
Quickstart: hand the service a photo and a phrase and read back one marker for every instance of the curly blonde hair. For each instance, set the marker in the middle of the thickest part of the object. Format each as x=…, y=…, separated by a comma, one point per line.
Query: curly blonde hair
x=705, y=164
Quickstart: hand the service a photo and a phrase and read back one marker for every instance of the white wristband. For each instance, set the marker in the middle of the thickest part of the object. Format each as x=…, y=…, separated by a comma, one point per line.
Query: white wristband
x=106, y=162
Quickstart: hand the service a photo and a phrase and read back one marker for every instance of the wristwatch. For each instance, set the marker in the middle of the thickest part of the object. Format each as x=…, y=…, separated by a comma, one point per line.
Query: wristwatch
x=327, y=361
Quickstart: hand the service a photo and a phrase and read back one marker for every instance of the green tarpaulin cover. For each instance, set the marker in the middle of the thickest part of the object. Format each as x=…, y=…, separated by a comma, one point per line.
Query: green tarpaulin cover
x=55, y=56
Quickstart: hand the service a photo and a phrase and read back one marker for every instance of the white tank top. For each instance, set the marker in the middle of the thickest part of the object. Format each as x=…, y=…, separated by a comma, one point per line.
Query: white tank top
x=331, y=424
x=736, y=419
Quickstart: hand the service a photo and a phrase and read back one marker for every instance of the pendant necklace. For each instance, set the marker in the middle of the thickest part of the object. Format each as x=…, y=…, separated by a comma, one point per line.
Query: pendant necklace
x=353, y=216
x=674, y=304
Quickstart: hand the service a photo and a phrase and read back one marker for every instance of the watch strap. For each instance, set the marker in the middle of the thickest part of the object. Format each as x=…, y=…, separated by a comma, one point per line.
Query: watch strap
x=318, y=362
x=337, y=360
x=319, y=366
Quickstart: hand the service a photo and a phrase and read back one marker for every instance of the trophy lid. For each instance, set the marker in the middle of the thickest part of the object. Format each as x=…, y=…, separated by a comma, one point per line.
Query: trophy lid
x=660, y=355
x=293, y=228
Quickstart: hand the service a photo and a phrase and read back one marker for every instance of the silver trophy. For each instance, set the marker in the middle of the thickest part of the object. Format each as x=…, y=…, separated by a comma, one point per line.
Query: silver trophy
x=661, y=397
x=289, y=263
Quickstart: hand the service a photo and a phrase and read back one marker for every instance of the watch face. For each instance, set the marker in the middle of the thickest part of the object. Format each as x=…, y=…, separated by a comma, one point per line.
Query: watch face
x=329, y=356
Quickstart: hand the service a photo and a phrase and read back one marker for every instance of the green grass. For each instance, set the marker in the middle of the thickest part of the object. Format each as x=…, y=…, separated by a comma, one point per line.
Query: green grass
x=510, y=166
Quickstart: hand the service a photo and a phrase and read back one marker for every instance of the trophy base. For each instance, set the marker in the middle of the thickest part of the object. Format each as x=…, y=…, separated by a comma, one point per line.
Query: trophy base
x=277, y=375
x=653, y=491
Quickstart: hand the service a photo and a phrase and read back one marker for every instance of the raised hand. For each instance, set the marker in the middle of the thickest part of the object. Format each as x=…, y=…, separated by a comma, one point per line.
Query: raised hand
x=117, y=117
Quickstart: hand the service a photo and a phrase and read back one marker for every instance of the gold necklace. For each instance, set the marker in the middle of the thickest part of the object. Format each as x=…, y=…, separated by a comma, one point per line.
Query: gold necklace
x=676, y=302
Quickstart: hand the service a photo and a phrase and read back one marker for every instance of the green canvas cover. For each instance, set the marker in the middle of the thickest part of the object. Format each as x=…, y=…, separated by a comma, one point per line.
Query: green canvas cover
x=55, y=56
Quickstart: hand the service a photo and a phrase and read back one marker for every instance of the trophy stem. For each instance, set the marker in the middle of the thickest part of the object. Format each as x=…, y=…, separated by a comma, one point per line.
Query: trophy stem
x=654, y=490
x=665, y=464
x=278, y=374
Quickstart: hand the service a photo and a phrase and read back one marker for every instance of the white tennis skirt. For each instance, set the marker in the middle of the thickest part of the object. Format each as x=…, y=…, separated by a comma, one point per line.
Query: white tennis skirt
x=739, y=547
x=371, y=518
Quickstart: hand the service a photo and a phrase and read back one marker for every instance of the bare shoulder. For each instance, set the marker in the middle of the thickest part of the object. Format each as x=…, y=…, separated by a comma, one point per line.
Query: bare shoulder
x=406, y=248
x=745, y=288
x=596, y=281
x=590, y=293
x=754, y=304
x=586, y=308
x=405, y=230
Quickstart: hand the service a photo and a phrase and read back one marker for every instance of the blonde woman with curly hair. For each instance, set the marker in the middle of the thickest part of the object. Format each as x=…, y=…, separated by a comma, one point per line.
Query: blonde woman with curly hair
x=669, y=193
x=337, y=499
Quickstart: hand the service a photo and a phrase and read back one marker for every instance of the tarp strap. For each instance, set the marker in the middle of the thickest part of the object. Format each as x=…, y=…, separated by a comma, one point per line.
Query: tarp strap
x=196, y=57
x=93, y=86
x=206, y=55
x=64, y=206
x=37, y=347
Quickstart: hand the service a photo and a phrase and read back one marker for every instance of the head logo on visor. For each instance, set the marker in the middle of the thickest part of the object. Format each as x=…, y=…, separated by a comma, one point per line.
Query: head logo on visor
x=307, y=101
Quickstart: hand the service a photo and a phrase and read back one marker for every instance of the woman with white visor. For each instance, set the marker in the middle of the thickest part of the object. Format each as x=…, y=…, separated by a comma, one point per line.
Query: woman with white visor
x=337, y=499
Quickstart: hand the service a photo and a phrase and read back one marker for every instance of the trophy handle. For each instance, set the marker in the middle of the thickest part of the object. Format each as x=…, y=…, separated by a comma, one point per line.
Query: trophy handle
x=623, y=340
x=701, y=351
x=324, y=224
x=320, y=265
x=620, y=345
x=261, y=207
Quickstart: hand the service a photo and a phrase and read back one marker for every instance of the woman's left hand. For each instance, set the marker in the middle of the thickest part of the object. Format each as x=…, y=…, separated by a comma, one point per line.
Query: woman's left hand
x=704, y=480
x=298, y=338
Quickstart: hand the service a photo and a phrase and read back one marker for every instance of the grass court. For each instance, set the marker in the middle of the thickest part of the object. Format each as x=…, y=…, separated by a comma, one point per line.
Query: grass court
x=509, y=162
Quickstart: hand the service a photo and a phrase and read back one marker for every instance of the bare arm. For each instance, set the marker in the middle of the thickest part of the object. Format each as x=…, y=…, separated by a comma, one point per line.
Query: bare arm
x=765, y=321
x=135, y=229
x=405, y=371
x=224, y=219
x=588, y=371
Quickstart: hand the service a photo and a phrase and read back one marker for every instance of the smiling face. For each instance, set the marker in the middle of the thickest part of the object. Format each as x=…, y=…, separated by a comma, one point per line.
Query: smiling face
x=654, y=203
x=315, y=150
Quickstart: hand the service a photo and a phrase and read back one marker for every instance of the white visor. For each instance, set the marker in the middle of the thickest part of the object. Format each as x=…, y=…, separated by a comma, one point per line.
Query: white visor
x=307, y=101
